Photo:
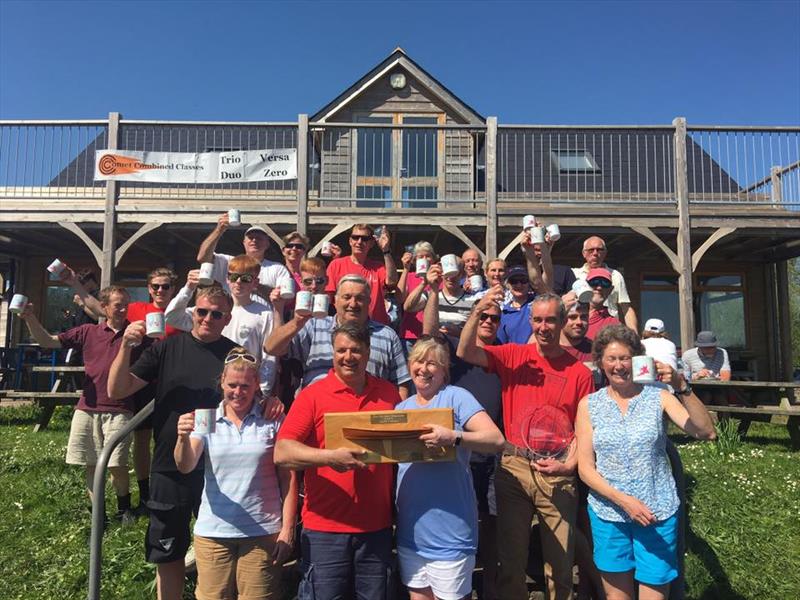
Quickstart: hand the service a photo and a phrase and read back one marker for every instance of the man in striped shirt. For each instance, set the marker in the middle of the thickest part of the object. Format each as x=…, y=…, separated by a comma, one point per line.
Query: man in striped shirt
x=309, y=340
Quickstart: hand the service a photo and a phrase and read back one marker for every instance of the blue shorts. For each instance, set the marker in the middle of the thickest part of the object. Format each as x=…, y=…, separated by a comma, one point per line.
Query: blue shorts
x=651, y=552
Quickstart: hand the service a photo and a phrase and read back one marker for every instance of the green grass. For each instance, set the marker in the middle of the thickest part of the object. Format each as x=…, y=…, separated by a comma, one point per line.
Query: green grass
x=744, y=510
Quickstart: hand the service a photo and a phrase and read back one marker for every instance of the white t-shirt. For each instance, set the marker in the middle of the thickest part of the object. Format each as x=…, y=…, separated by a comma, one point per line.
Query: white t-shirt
x=249, y=327
x=272, y=275
x=662, y=350
x=618, y=295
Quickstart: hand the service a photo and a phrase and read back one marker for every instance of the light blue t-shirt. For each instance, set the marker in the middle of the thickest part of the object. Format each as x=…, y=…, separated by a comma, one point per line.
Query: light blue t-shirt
x=241, y=496
x=631, y=453
x=437, y=514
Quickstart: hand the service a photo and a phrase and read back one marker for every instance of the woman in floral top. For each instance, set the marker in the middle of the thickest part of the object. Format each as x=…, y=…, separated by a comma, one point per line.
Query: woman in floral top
x=633, y=503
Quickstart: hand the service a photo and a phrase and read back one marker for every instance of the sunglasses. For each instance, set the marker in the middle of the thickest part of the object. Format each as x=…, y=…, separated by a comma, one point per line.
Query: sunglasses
x=517, y=281
x=243, y=277
x=493, y=318
x=203, y=313
x=234, y=356
x=361, y=238
x=317, y=280
x=160, y=286
x=295, y=246
x=599, y=282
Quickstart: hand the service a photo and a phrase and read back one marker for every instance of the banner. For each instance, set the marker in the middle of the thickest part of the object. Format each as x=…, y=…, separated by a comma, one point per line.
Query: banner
x=196, y=167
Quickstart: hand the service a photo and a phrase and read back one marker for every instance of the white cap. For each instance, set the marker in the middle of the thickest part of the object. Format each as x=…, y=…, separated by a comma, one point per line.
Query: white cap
x=654, y=325
x=256, y=228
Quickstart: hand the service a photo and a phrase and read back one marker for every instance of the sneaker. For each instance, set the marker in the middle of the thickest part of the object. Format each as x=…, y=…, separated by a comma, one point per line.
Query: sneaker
x=189, y=560
x=126, y=518
x=141, y=510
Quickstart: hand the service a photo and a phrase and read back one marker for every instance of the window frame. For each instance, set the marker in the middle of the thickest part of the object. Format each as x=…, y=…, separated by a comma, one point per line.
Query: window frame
x=555, y=155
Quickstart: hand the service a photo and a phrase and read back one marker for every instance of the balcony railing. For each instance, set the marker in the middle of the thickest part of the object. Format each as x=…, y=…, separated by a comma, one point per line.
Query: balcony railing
x=421, y=164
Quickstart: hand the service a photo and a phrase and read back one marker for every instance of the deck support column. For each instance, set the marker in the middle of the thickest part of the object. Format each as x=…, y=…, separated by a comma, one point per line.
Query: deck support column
x=784, y=366
x=491, y=187
x=684, y=244
x=110, y=220
x=302, y=174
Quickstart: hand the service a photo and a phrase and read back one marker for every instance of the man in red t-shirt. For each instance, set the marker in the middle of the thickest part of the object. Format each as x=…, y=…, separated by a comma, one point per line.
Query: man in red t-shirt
x=532, y=374
x=573, y=335
x=347, y=514
x=378, y=274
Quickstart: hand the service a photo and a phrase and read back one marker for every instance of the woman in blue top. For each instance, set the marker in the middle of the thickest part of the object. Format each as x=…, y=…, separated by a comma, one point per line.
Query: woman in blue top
x=622, y=457
x=437, y=514
x=245, y=528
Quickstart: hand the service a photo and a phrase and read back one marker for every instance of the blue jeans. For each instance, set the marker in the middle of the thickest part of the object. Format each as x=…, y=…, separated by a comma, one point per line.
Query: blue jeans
x=340, y=566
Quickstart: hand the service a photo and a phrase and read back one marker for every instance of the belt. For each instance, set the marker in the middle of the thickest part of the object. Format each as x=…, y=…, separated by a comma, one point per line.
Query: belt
x=510, y=449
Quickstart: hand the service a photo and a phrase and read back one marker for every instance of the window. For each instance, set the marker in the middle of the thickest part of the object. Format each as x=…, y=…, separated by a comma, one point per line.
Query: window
x=574, y=161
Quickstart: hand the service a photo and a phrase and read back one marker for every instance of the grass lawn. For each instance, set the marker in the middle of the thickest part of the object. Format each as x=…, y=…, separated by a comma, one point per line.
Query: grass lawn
x=744, y=508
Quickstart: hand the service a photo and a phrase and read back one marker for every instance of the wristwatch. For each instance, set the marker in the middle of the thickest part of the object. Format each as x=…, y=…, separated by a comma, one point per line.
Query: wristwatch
x=685, y=391
x=459, y=437
x=389, y=251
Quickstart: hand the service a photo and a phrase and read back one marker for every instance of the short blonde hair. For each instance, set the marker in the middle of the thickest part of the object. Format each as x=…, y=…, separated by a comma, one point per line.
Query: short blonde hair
x=240, y=365
x=434, y=347
x=296, y=235
x=214, y=292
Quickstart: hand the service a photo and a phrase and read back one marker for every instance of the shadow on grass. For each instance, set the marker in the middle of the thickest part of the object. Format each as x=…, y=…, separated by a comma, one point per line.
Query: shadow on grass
x=29, y=415
x=721, y=588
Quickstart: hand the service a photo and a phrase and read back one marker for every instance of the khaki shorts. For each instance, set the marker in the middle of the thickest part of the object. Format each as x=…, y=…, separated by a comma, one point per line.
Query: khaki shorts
x=88, y=434
x=228, y=568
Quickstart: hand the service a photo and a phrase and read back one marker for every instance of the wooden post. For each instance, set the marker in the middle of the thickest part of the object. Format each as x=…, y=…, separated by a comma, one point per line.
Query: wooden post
x=302, y=173
x=110, y=220
x=777, y=191
x=491, y=187
x=684, y=245
x=784, y=367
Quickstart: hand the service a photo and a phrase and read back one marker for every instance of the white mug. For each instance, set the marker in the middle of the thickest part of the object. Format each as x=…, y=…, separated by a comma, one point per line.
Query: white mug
x=528, y=221
x=326, y=249
x=303, y=302
x=644, y=369
x=475, y=283
x=320, y=307
x=56, y=267
x=287, y=291
x=449, y=265
x=378, y=231
x=234, y=218
x=583, y=291
x=205, y=420
x=155, y=324
x=537, y=235
x=422, y=265
x=206, y=274
x=554, y=231
x=17, y=304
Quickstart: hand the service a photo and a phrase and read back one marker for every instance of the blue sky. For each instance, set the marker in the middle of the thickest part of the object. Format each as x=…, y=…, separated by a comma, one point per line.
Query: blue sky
x=545, y=62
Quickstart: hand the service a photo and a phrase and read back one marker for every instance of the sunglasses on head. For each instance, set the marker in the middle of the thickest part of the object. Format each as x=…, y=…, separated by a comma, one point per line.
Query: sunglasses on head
x=599, y=281
x=295, y=246
x=361, y=238
x=317, y=280
x=493, y=318
x=204, y=312
x=234, y=356
x=243, y=277
x=160, y=286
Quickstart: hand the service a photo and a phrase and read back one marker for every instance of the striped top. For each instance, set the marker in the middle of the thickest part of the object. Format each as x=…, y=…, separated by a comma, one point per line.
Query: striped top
x=631, y=454
x=313, y=348
x=241, y=496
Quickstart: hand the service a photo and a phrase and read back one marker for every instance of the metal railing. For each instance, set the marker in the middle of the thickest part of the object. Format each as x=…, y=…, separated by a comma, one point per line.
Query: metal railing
x=744, y=164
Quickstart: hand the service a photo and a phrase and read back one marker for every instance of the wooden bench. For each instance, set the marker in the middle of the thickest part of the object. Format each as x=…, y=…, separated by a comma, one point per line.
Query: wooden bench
x=47, y=401
x=788, y=415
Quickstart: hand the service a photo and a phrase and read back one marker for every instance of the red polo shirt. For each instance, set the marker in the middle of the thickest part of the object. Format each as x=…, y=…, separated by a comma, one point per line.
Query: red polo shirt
x=527, y=379
x=356, y=501
x=599, y=318
x=137, y=311
x=373, y=271
x=99, y=345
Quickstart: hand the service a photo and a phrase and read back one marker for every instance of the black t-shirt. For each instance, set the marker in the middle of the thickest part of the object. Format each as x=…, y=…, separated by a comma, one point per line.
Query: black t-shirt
x=563, y=279
x=188, y=372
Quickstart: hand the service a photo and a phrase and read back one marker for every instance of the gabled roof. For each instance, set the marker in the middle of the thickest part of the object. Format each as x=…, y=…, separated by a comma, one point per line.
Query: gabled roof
x=401, y=59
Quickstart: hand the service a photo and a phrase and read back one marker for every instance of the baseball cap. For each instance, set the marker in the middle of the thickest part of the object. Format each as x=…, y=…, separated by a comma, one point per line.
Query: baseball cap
x=516, y=271
x=654, y=325
x=705, y=339
x=598, y=272
x=256, y=228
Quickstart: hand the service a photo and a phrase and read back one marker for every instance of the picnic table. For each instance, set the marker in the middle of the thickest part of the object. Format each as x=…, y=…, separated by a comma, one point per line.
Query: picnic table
x=773, y=401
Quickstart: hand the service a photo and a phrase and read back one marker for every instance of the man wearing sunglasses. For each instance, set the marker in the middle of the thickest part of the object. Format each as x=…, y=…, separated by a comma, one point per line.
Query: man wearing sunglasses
x=256, y=243
x=618, y=302
x=250, y=322
x=379, y=274
x=186, y=367
x=600, y=280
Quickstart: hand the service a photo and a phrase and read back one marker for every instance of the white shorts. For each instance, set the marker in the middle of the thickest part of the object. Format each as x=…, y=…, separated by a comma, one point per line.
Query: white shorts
x=447, y=579
x=88, y=434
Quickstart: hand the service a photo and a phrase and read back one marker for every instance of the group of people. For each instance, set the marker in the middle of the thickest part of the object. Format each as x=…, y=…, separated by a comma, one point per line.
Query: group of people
x=491, y=343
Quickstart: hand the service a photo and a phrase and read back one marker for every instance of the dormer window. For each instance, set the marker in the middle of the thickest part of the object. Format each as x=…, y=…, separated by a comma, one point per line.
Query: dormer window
x=574, y=161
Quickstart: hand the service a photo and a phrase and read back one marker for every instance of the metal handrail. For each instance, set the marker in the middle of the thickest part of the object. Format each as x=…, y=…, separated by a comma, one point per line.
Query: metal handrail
x=98, y=505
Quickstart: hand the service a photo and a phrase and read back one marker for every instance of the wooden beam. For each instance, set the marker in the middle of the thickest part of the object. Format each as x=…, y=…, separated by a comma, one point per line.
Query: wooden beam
x=511, y=245
x=672, y=256
x=712, y=239
x=302, y=174
x=97, y=253
x=143, y=230
x=684, y=241
x=456, y=231
x=785, y=366
x=108, y=262
x=491, y=186
x=329, y=236
x=271, y=233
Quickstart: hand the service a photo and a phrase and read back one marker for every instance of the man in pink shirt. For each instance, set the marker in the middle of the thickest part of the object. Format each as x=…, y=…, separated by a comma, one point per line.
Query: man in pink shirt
x=600, y=281
x=378, y=274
